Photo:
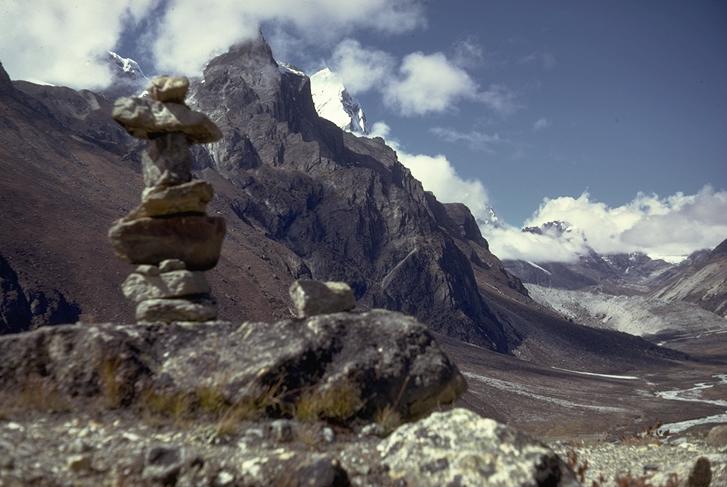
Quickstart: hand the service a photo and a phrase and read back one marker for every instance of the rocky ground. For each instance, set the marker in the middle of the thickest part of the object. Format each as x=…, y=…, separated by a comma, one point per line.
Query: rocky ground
x=685, y=460
x=328, y=400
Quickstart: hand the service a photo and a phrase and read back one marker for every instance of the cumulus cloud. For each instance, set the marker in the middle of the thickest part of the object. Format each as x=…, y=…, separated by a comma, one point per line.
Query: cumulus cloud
x=184, y=41
x=474, y=139
x=54, y=42
x=669, y=227
x=438, y=175
x=421, y=84
x=428, y=83
x=361, y=69
x=64, y=43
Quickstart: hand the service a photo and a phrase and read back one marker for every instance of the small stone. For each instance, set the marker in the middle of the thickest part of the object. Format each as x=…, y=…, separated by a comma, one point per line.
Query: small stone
x=282, y=430
x=223, y=479
x=195, y=240
x=79, y=463
x=172, y=284
x=718, y=436
x=145, y=118
x=163, y=464
x=328, y=435
x=191, y=197
x=701, y=474
x=147, y=270
x=316, y=472
x=169, y=310
x=373, y=429
x=169, y=88
x=315, y=297
x=170, y=265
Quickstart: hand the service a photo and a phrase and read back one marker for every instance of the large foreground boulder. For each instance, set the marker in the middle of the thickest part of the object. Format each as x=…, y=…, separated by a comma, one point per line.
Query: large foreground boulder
x=339, y=366
x=459, y=447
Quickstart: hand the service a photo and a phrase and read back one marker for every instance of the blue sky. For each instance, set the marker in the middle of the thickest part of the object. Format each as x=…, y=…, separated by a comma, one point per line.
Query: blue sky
x=611, y=115
x=633, y=96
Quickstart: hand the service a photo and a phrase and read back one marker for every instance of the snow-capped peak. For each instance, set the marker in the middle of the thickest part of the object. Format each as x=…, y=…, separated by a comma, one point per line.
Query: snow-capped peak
x=334, y=103
x=488, y=218
x=125, y=67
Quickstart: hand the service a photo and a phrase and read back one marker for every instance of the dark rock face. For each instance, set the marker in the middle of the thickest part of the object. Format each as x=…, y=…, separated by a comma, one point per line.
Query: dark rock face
x=379, y=358
x=50, y=307
x=14, y=309
x=20, y=312
x=343, y=204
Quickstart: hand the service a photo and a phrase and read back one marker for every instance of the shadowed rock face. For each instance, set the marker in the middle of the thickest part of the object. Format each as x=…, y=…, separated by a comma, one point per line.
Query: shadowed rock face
x=21, y=311
x=14, y=308
x=344, y=205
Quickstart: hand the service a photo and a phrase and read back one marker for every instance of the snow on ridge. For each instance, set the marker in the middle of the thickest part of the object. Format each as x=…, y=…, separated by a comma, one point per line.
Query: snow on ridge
x=334, y=103
x=127, y=65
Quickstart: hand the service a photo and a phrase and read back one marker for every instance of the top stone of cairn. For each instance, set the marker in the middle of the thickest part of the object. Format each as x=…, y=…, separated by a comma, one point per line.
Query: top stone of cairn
x=164, y=112
x=169, y=88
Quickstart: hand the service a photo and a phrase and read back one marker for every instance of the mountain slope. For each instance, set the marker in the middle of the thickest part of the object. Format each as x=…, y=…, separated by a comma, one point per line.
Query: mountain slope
x=702, y=281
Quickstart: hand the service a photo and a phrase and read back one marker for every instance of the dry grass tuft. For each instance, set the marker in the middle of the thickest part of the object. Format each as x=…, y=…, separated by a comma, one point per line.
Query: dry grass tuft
x=388, y=418
x=337, y=403
x=36, y=394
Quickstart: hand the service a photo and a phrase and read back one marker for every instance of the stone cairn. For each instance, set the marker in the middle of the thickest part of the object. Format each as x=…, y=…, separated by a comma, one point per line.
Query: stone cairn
x=169, y=236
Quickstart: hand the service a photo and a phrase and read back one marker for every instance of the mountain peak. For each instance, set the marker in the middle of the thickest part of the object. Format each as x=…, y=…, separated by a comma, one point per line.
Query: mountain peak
x=5, y=82
x=334, y=103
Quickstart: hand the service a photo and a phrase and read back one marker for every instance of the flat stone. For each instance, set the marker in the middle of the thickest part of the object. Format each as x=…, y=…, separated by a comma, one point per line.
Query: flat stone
x=312, y=298
x=173, y=284
x=145, y=118
x=191, y=197
x=169, y=88
x=195, y=240
x=172, y=265
x=79, y=463
x=169, y=310
x=167, y=160
x=147, y=270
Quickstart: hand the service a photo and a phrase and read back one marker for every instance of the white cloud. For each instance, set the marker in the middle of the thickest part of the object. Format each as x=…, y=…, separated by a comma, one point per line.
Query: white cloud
x=540, y=124
x=185, y=44
x=438, y=175
x=62, y=44
x=663, y=227
x=428, y=83
x=422, y=83
x=475, y=140
x=361, y=69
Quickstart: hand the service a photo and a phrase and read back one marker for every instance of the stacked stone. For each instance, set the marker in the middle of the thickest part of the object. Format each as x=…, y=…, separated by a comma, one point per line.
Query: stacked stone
x=169, y=235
